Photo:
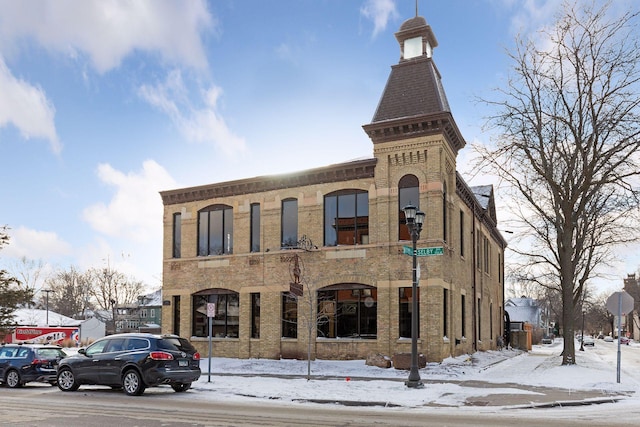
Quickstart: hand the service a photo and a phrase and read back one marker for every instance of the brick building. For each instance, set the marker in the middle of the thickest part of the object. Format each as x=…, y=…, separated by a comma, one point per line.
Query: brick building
x=338, y=233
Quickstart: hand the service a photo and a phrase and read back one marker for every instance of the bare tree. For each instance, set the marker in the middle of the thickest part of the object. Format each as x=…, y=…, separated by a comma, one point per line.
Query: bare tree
x=567, y=149
x=71, y=291
x=31, y=273
x=110, y=289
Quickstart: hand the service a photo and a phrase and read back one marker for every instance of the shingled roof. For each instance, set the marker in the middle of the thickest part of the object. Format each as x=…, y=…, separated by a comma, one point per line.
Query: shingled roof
x=414, y=102
x=414, y=89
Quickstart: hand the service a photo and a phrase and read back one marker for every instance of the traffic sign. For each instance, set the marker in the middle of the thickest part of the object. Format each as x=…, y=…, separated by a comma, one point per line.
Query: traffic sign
x=621, y=301
x=211, y=309
x=438, y=250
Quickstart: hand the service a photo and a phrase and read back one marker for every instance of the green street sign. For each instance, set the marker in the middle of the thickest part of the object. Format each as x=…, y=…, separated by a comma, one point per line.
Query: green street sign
x=408, y=250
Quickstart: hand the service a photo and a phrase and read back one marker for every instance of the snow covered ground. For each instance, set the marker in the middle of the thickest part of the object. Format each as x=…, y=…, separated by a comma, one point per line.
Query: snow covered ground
x=448, y=384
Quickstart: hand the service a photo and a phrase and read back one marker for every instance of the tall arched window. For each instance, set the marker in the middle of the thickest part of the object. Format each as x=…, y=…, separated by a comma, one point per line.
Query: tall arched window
x=408, y=193
x=215, y=230
x=346, y=218
x=289, y=223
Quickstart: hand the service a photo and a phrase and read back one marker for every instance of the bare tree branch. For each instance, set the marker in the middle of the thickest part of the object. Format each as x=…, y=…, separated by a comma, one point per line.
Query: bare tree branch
x=568, y=149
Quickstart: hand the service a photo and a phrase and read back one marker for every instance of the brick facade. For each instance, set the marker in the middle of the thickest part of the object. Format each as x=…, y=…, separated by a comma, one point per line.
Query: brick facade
x=426, y=147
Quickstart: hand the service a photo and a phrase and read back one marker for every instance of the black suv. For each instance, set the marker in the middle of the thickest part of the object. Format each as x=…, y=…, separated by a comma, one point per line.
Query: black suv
x=23, y=363
x=132, y=362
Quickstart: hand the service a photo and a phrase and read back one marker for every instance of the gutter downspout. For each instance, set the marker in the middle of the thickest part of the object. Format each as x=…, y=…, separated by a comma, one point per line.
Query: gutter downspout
x=475, y=297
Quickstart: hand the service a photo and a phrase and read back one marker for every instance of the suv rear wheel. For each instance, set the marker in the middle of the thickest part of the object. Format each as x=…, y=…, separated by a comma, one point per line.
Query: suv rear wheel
x=132, y=383
x=13, y=379
x=67, y=381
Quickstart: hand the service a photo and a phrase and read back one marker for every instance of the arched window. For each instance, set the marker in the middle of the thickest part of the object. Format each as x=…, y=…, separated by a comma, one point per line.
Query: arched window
x=348, y=310
x=289, y=223
x=227, y=313
x=408, y=193
x=215, y=230
x=346, y=218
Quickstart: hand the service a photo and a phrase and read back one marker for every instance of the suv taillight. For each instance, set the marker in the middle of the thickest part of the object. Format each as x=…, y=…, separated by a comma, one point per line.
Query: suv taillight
x=160, y=355
x=196, y=356
x=39, y=361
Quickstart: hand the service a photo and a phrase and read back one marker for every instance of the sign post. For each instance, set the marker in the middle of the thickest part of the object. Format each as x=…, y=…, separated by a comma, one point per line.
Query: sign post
x=211, y=313
x=618, y=303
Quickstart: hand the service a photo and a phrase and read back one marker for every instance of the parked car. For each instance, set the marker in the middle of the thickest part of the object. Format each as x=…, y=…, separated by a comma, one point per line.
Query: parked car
x=132, y=362
x=608, y=338
x=624, y=340
x=547, y=340
x=589, y=341
x=23, y=363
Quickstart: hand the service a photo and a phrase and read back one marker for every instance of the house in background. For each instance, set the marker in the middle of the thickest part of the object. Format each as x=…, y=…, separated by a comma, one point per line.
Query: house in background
x=145, y=315
x=151, y=312
x=526, y=311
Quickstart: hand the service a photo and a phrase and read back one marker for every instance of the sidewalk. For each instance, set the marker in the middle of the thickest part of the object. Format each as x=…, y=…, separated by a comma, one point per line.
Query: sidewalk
x=521, y=396
x=492, y=379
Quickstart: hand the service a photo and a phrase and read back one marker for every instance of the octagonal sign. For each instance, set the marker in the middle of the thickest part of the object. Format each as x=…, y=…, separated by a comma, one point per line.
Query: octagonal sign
x=624, y=299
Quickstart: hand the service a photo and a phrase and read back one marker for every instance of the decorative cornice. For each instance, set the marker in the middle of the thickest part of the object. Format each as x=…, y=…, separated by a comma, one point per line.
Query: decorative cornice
x=354, y=170
x=411, y=127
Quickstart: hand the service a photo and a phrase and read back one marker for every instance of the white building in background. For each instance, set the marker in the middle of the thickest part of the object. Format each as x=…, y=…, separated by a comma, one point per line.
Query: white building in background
x=524, y=310
x=89, y=329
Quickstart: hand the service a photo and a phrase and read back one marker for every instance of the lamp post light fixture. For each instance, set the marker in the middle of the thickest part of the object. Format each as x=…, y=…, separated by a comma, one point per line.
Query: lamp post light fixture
x=47, y=303
x=582, y=340
x=415, y=219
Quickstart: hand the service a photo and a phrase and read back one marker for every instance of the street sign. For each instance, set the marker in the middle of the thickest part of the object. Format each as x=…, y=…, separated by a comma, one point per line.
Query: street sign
x=295, y=288
x=211, y=309
x=620, y=301
x=438, y=250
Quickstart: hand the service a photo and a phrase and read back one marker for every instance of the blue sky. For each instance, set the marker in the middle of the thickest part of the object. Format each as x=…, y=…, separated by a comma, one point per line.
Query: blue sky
x=105, y=103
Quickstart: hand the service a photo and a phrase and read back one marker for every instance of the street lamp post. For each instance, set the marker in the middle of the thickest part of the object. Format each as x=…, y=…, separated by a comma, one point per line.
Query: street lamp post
x=415, y=219
x=47, y=303
x=582, y=340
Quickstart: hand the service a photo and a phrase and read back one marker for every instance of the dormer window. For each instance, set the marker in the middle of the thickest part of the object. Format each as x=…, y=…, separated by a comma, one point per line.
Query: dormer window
x=413, y=47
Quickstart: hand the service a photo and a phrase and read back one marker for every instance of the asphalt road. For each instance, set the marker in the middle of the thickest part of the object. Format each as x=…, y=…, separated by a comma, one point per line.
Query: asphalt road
x=42, y=405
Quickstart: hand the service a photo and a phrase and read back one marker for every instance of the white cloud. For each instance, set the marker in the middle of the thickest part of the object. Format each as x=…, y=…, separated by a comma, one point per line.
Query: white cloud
x=203, y=124
x=109, y=30
x=135, y=211
x=531, y=15
x=379, y=12
x=27, y=108
x=34, y=244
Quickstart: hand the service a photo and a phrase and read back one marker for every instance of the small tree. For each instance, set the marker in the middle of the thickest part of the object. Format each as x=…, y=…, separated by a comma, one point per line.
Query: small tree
x=12, y=296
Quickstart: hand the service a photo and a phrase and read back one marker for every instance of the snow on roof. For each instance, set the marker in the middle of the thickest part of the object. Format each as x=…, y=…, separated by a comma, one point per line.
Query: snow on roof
x=38, y=317
x=153, y=299
x=483, y=194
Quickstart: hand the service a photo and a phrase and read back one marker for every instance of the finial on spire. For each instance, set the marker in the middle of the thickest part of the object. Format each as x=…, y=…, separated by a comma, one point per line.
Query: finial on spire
x=416, y=8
